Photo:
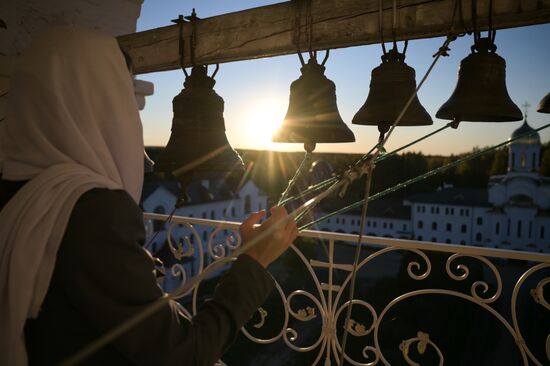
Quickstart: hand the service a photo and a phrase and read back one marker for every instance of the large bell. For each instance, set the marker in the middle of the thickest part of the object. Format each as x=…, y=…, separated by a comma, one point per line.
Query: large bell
x=198, y=145
x=392, y=84
x=544, y=105
x=312, y=114
x=480, y=94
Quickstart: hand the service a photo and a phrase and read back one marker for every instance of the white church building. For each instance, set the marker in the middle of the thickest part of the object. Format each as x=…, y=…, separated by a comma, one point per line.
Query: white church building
x=512, y=213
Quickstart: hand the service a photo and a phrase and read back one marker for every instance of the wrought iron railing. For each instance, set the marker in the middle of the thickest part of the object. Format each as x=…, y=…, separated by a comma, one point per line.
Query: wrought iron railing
x=411, y=297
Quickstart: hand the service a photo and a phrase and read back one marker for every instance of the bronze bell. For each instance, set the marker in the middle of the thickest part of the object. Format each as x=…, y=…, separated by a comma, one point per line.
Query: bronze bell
x=198, y=145
x=480, y=94
x=392, y=84
x=544, y=105
x=312, y=115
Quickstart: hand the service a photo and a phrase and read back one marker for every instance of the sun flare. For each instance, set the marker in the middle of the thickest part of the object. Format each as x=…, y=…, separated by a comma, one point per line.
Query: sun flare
x=264, y=118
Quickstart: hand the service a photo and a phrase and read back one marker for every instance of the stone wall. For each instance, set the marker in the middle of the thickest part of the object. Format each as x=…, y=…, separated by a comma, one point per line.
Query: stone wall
x=25, y=18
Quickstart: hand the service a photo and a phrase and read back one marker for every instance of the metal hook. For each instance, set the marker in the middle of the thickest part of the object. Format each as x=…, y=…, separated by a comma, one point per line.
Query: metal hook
x=193, y=20
x=181, y=42
x=215, y=71
x=297, y=29
x=381, y=26
x=325, y=58
x=301, y=58
x=394, y=23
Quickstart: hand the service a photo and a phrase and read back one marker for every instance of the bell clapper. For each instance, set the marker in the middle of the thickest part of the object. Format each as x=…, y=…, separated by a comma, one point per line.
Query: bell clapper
x=454, y=123
x=183, y=198
x=309, y=147
x=383, y=128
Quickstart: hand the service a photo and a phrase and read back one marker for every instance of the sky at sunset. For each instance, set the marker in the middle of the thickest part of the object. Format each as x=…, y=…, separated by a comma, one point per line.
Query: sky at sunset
x=256, y=92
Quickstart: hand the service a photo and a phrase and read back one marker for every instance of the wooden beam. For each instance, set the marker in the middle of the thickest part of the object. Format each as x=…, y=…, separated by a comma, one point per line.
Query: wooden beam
x=272, y=30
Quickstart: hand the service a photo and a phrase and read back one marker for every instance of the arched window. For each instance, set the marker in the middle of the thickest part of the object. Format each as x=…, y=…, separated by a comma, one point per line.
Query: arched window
x=478, y=236
x=247, y=204
x=522, y=161
x=542, y=232
x=519, y=229
x=420, y=224
x=479, y=221
x=463, y=228
x=497, y=228
x=449, y=227
x=434, y=225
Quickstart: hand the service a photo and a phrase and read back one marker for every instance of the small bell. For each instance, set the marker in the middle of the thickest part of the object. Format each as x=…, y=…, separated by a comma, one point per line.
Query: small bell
x=312, y=115
x=480, y=94
x=544, y=105
x=392, y=84
x=198, y=145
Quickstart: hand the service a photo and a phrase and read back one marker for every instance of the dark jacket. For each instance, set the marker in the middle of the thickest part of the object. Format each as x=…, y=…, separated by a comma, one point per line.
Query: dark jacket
x=102, y=276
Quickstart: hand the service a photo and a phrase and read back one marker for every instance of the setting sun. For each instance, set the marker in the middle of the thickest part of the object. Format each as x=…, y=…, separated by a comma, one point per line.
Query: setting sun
x=263, y=119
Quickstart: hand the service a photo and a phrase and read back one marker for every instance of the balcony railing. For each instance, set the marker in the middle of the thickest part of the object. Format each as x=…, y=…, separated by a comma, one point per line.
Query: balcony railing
x=416, y=303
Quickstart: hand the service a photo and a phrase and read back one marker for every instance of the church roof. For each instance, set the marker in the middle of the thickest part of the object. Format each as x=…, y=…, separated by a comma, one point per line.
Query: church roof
x=534, y=138
x=454, y=197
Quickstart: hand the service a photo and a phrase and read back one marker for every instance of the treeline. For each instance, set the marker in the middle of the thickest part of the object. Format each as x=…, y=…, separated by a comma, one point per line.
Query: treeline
x=272, y=170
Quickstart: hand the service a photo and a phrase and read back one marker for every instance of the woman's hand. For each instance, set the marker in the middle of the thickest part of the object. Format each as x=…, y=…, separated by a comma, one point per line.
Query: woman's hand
x=273, y=237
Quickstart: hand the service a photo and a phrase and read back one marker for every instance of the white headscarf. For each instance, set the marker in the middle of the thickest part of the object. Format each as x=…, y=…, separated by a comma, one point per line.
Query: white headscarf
x=72, y=124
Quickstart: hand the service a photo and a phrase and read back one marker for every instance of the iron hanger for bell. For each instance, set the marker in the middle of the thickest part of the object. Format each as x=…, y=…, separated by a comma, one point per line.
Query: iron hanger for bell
x=480, y=94
x=198, y=146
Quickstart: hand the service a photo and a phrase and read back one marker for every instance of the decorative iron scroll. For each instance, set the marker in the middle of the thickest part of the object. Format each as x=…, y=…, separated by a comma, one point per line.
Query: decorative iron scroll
x=320, y=308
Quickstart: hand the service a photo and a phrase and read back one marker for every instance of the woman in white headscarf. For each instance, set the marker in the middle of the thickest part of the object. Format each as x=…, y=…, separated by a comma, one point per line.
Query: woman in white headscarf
x=71, y=265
